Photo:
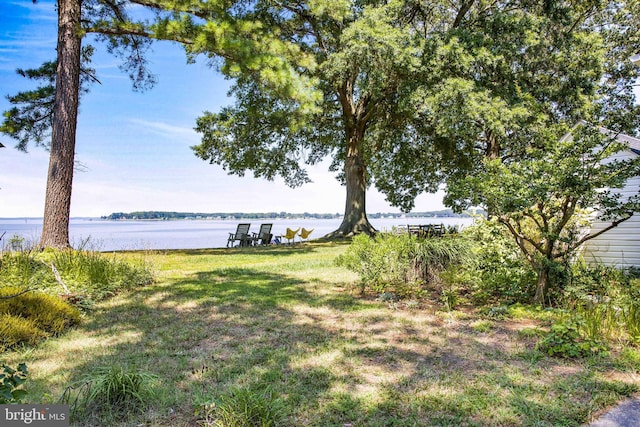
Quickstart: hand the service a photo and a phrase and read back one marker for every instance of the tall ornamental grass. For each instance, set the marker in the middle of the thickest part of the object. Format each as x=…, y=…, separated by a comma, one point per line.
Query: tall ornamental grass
x=403, y=264
x=94, y=275
x=604, y=301
x=35, y=287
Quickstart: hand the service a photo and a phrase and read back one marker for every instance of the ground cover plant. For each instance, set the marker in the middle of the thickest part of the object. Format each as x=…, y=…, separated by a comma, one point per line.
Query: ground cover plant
x=93, y=274
x=283, y=335
x=42, y=293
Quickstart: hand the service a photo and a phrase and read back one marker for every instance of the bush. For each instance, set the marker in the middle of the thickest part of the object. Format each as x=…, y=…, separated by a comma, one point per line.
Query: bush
x=401, y=263
x=49, y=313
x=500, y=273
x=606, y=301
x=99, y=275
x=94, y=275
x=29, y=317
x=382, y=262
x=22, y=269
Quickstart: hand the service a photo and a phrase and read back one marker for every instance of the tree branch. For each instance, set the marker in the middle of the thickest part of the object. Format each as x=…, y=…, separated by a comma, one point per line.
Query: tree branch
x=462, y=13
x=614, y=224
x=15, y=295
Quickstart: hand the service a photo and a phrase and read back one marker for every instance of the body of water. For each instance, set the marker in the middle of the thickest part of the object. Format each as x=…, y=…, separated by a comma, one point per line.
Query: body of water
x=104, y=235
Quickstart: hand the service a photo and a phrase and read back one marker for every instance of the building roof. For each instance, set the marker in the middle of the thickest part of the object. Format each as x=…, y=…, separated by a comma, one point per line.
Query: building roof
x=634, y=143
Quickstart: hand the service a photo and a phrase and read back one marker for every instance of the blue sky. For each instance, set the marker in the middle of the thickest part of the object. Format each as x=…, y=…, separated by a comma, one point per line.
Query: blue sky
x=135, y=146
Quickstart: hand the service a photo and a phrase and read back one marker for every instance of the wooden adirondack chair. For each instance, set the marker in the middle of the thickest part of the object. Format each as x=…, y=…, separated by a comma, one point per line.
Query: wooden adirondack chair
x=263, y=237
x=241, y=235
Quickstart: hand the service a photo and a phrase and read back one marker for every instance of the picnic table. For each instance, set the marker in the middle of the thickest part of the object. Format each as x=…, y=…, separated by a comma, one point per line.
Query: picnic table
x=426, y=230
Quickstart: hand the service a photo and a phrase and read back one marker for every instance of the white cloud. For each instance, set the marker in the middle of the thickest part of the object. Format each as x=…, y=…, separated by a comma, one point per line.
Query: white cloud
x=166, y=130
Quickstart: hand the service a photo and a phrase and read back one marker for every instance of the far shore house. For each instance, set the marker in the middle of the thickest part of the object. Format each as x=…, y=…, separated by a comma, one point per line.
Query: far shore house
x=620, y=246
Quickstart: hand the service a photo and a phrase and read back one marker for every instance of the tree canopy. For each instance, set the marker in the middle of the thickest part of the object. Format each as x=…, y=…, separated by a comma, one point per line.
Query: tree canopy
x=409, y=96
x=403, y=95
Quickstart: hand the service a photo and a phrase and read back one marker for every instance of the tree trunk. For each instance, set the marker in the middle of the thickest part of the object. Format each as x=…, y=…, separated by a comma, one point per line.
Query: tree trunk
x=55, y=228
x=542, y=286
x=355, y=216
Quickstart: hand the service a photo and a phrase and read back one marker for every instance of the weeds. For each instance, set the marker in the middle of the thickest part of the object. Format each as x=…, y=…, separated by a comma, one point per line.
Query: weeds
x=115, y=390
x=243, y=407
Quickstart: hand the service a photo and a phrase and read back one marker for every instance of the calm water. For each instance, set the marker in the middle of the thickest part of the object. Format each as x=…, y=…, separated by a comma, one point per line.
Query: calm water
x=187, y=234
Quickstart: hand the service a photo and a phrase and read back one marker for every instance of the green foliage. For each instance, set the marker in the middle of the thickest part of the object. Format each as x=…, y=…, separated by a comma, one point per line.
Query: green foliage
x=500, y=273
x=94, y=275
x=449, y=297
x=98, y=275
x=242, y=407
x=10, y=382
x=383, y=262
x=403, y=264
x=542, y=199
x=16, y=330
x=30, y=316
x=606, y=301
x=564, y=340
x=116, y=390
x=32, y=114
x=27, y=318
x=49, y=313
x=20, y=268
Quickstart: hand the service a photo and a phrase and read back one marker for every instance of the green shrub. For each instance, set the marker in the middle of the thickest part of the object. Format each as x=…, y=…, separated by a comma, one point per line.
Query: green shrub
x=93, y=275
x=564, y=340
x=22, y=269
x=403, y=264
x=383, y=262
x=589, y=281
x=99, y=275
x=15, y=330
x=606, y=300
x=29, y=317
x=10, y=382
x=499, y=274
x=242, y=407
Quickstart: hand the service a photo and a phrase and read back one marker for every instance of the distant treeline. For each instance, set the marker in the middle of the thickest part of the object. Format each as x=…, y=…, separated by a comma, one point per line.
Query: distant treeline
x=160, y=215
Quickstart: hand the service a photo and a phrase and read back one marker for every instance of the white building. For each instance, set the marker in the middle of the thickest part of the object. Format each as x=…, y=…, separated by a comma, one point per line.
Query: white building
x=620, y=246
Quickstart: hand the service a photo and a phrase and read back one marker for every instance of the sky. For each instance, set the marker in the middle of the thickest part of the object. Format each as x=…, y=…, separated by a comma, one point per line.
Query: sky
x=135, y=146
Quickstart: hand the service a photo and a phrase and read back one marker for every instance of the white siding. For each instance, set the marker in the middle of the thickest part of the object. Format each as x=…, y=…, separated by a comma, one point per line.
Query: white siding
x=619, y=246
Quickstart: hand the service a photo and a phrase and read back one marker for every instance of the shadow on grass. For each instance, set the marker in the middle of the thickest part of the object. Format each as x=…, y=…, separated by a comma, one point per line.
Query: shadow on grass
x=334, y=360
x=281, y=249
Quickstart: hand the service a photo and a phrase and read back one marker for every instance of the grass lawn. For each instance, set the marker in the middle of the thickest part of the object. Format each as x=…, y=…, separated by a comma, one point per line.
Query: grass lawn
x=284, y=322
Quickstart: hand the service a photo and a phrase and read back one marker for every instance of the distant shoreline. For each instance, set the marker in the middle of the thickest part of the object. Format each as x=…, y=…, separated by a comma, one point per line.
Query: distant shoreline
x=172, y=216
x=233, y=216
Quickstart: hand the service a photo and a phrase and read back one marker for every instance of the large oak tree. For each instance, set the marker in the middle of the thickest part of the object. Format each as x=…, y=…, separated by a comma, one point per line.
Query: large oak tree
x=402, y=94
